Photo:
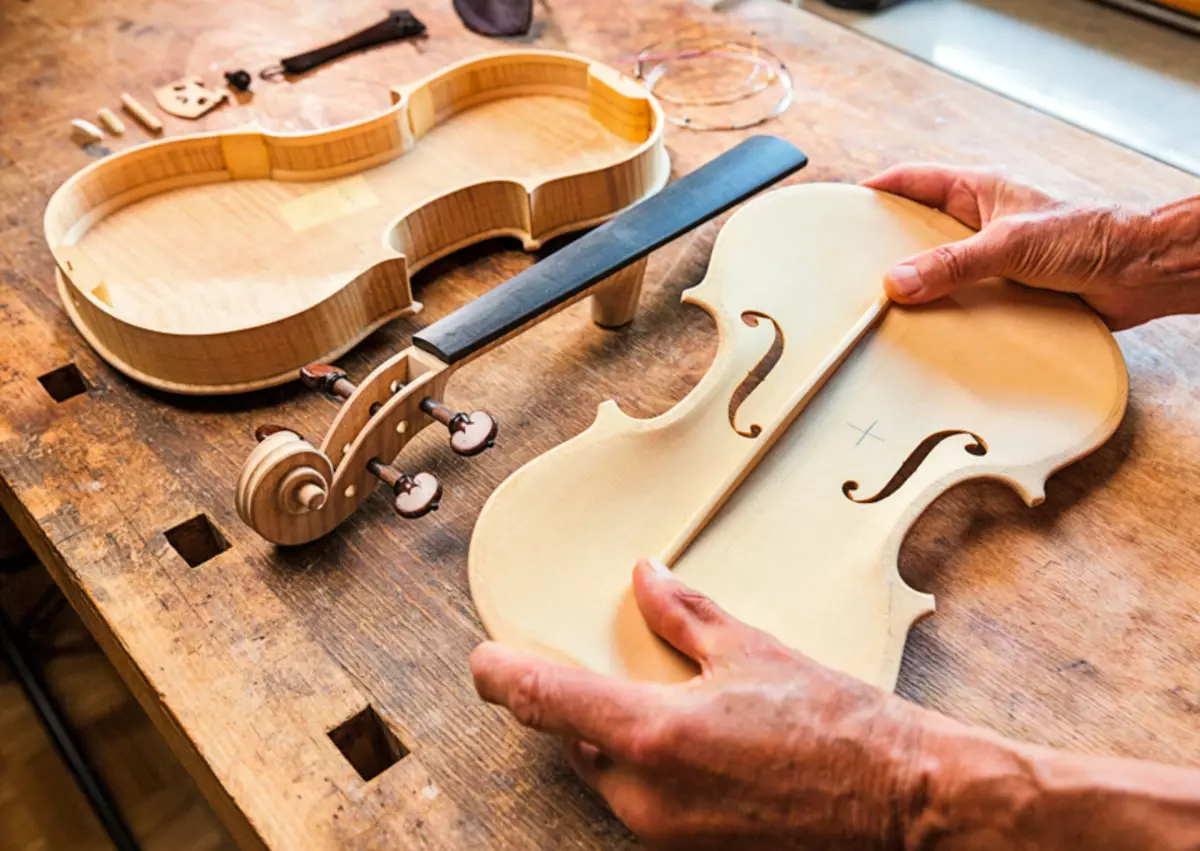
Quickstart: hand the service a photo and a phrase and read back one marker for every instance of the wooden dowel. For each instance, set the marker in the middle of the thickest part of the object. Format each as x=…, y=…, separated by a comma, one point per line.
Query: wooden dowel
x=110, y=121
x=139, y=112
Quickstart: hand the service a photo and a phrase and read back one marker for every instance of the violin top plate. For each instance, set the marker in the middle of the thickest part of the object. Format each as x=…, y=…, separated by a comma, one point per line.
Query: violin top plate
x=788, y=504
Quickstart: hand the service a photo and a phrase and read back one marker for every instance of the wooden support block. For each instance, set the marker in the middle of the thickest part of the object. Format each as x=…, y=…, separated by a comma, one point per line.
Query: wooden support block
x=615, y=301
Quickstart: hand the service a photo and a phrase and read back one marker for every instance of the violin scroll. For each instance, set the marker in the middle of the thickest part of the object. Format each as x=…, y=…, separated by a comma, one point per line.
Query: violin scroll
x=292, y=492
x=284, y=480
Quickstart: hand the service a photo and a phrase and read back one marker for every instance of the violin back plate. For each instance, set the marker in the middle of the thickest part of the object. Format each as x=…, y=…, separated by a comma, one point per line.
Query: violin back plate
x=223, y=262
x=786, y=497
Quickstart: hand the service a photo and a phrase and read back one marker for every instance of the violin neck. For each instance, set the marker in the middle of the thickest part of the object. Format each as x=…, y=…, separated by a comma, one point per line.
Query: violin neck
x=710, y=190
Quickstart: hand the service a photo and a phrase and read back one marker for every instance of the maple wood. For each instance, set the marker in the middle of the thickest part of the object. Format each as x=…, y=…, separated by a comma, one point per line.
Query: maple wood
x=1072, y=624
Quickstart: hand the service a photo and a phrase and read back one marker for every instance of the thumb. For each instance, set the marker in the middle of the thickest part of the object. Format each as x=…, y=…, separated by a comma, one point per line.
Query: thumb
x=692, y=623
x=942, y=270
x=686, y=619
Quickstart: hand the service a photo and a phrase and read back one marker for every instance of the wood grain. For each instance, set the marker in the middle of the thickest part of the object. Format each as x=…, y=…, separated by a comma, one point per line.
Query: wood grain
x=220, y=263
x=1073, y=624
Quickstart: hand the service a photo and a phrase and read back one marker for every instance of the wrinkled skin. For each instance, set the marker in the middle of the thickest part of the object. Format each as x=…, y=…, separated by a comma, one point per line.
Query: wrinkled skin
x=1130, y=265
x=766, y=749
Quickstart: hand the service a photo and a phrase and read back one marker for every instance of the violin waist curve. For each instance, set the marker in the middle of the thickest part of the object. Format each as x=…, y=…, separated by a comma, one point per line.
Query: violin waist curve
x=788, y=504
x=223, y=262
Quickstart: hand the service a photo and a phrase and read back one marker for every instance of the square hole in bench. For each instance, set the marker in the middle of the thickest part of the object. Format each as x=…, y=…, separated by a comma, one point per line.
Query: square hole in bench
x=63, y=383
x=197, y=540
x=368, y=743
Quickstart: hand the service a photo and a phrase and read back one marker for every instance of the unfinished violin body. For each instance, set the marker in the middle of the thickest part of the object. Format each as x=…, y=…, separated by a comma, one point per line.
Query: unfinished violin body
x=291, y=491
x=784, y=483
x=223, y=262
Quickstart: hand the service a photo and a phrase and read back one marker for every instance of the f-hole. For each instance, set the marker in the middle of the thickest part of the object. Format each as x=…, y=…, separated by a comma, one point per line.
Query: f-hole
x=756, y=376
x=913, y=461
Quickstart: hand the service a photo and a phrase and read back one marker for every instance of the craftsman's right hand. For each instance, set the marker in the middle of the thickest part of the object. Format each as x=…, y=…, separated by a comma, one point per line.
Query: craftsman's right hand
x=765, y=749
x=1130, y=265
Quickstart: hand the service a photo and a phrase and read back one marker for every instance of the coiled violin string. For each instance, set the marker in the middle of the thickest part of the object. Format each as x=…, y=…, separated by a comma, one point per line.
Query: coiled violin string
x=700, y=58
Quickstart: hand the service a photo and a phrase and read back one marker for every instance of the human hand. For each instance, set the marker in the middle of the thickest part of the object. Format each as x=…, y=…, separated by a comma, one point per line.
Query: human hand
x=1129, y=265
x=764, y=749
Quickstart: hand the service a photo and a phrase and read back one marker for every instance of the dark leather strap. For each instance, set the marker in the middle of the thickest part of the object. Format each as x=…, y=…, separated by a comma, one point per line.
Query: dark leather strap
x=695, y=198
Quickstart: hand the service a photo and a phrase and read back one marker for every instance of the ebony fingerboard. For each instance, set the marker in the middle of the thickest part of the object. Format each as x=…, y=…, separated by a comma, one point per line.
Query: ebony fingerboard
x=692, y=200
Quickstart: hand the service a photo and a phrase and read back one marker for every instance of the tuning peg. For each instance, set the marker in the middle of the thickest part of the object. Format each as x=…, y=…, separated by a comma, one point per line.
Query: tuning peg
x=416, y=495
x=326, y=379
x=470, y=433
x=329, y=379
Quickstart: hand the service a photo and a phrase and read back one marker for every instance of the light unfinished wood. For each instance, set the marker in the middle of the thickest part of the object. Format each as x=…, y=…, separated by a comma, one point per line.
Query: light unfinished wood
x=807, y=546
x=222, y=263
x=1071, y=625
x=615, y=302
x=188, y=98
x=110, y=121
x=85, y=132
x=141, y=114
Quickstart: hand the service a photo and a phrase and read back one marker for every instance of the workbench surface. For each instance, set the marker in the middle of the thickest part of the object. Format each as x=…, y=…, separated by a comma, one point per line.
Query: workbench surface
x=1075, y=624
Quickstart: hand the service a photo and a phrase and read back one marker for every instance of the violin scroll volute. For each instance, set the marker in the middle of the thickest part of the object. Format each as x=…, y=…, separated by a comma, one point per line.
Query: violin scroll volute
x=292, y=492
x=285, y=482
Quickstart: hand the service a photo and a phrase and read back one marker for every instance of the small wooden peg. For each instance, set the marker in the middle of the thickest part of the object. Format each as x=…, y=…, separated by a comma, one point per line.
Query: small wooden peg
x=110, y=121
x=85, y=132
x=303, y=489
x=327, y=379
x=311, y=496
x=143, y=116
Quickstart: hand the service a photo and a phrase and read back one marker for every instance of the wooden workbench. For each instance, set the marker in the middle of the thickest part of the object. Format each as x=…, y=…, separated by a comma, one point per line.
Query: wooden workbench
x=1076, y=624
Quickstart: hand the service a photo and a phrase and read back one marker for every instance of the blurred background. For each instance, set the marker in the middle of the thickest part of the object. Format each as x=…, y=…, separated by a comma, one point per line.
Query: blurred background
x=43, y=803
x=1133, y=77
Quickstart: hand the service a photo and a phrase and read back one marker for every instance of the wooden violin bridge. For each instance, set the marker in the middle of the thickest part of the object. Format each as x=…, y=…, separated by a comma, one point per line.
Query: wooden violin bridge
x=188, y=98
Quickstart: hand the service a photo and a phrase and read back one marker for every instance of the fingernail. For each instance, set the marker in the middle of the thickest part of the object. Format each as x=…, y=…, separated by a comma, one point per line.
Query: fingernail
x=905, y=281
x=659, y=568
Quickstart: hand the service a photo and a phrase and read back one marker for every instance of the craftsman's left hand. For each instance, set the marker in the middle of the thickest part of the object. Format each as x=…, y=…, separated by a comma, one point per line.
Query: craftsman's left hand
x=763, y=749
